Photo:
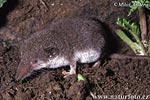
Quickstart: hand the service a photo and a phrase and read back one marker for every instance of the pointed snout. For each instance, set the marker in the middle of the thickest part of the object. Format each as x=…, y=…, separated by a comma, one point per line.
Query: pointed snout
x=18, y=77
x=23, y=71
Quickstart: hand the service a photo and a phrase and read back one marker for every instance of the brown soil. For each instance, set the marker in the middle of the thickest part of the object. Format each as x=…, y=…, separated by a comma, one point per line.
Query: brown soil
x=20, y=18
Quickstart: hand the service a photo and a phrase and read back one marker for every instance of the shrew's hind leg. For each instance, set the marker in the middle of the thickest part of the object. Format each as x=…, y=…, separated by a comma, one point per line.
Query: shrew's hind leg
x=71, y=72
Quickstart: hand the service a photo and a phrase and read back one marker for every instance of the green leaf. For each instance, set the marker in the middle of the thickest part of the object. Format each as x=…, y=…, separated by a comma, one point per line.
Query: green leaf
x=132, y=28
x=127, y=25
x=2, y=2
x=148, y=4
x=132, y=9
x=80, y=78
x=136, y=3
x=138, y=50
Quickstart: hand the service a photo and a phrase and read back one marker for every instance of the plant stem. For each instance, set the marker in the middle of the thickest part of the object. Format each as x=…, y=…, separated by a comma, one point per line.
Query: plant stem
x=148, y=50
x=143, y=24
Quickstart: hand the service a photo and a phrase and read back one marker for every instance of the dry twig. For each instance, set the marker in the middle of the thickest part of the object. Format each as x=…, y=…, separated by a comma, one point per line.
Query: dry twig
x=44, y=4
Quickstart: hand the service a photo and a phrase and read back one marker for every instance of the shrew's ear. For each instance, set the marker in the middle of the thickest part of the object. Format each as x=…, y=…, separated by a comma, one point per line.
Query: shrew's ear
x=52, y=52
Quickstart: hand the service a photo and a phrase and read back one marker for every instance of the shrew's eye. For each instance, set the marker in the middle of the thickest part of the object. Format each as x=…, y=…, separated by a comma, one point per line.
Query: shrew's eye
x=52, y=52
x=34, y=61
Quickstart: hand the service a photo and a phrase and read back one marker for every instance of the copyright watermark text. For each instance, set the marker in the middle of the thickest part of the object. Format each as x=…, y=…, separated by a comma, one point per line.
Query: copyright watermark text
x=125, y=4
x=121, y=97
